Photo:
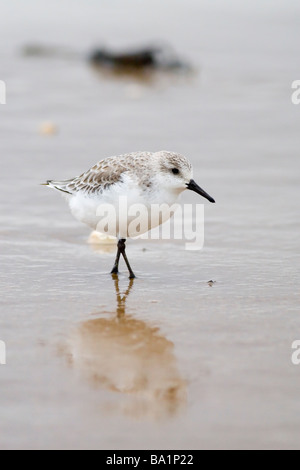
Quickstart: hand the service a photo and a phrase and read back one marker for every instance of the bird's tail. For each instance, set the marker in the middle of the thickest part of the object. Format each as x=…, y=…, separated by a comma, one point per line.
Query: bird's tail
x=58, y=186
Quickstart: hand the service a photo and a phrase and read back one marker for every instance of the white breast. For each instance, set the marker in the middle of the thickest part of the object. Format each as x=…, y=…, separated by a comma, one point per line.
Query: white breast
x=123, y=210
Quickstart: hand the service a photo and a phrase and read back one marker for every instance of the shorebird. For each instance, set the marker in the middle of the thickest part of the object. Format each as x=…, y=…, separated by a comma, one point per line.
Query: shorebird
x=143, y=177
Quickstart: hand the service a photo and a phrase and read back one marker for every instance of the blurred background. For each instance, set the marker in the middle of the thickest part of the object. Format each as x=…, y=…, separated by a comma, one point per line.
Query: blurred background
x=170, y=361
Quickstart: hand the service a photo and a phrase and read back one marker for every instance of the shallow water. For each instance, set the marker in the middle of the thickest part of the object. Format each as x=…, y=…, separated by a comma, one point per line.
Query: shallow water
x=166, y=361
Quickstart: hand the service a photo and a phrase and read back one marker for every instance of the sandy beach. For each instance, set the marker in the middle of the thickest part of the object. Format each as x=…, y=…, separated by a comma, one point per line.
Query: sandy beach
x=166, y=361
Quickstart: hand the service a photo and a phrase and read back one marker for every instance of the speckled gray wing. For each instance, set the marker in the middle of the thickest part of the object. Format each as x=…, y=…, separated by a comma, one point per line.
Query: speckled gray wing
x=97, y=179
x=103, y=175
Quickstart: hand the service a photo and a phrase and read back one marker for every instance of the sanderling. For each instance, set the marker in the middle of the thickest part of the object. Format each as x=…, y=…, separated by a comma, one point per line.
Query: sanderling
x=142, y=177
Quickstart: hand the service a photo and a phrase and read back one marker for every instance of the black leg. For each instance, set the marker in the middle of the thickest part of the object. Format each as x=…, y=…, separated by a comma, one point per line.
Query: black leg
x=122, y=251
x=131, y=273
x=115, y=269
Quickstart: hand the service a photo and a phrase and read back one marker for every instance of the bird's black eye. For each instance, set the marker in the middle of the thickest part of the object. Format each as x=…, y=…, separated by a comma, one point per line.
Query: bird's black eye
x=175, y=171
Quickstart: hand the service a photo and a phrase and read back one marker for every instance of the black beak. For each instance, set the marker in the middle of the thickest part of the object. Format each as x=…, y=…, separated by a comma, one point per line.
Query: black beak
x=193, y=186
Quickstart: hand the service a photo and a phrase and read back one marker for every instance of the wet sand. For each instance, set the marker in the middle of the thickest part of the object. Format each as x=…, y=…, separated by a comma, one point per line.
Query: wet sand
x=167, y=361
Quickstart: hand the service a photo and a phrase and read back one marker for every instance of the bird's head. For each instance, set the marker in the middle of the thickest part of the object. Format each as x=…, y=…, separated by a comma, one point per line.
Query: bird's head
x=177, y=174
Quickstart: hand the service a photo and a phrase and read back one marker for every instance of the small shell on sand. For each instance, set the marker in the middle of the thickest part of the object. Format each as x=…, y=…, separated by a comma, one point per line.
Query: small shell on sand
x=48, y=128
x=101, y=243
x=97, y=238
x=134, y=92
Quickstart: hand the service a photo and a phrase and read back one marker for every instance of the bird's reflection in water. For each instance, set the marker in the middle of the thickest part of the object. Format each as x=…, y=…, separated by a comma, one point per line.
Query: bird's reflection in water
x=126, y=355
